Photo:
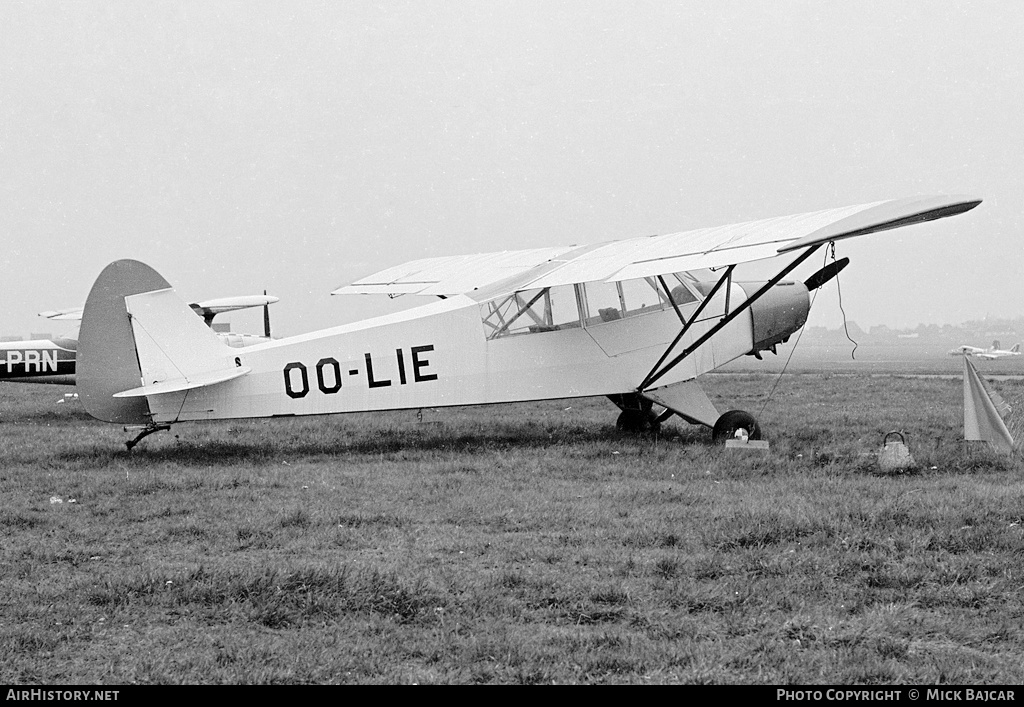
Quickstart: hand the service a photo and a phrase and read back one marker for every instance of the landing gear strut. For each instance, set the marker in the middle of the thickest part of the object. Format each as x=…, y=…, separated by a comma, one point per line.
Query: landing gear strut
x=638, y=421
x=733, y=422
x=637, y=414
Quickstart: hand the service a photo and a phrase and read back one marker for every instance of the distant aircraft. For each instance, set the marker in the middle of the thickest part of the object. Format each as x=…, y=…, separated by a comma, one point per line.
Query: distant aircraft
x=995, y=352
x=54, y=360
x=636, y=320
x=38, y=361
x=991, y=352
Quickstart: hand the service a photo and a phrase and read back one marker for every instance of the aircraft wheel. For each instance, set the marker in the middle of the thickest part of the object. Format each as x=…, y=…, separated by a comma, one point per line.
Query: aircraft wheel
x=733, y=421
x=637, y=421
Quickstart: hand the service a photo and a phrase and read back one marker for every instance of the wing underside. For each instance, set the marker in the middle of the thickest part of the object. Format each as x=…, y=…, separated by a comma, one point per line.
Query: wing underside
x=653, y=255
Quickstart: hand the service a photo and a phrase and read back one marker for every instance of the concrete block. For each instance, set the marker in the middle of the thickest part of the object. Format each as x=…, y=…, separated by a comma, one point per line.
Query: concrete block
x=753, y=445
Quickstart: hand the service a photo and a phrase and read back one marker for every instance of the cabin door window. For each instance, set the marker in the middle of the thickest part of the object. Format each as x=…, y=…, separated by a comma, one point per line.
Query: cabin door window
x=532, y=312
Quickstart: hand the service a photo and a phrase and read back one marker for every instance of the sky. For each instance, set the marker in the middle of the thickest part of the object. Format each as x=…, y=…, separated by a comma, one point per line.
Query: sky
x=294, y=147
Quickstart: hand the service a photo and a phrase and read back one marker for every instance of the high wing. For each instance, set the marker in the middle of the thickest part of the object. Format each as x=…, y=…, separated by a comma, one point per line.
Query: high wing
x=653, y=255
x=208, y=309
x=72, y=313
x=451, y=275
x=966, y=350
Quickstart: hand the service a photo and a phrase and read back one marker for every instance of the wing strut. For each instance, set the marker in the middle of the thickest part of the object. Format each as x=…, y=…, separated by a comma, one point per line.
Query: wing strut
x=726, y=276
x=657, y=372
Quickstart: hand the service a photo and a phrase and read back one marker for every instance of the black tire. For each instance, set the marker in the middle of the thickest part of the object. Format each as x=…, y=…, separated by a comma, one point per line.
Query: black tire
x=638, y=422
x=734, y=420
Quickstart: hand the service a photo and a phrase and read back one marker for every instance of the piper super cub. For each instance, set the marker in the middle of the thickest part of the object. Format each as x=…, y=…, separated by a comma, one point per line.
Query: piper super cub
x=636, y=320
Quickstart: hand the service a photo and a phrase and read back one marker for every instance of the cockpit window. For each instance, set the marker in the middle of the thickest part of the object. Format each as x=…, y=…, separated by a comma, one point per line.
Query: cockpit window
x=531, y=312
x=592, y=303
x=609, y=301
x=682, y=295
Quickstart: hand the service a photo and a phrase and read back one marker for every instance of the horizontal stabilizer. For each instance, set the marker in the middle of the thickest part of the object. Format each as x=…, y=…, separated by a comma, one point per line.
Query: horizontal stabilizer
x=179, y=384
x=176, y=350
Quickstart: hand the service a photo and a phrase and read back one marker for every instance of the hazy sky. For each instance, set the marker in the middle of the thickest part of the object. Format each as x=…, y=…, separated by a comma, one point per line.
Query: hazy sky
x=297, y=146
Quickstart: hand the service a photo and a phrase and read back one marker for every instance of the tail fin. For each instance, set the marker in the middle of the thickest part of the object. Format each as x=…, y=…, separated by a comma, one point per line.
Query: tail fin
x=1016, y=348
x=138, y=338
x=107, y=360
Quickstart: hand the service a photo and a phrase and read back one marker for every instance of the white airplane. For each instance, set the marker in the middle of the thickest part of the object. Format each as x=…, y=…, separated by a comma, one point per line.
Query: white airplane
x=991, y=352
x=634, y=320
x=54, y=360
x=995, y=352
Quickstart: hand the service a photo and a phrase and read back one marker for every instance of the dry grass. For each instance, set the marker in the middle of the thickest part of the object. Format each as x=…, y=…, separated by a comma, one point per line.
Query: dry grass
x=515, y=544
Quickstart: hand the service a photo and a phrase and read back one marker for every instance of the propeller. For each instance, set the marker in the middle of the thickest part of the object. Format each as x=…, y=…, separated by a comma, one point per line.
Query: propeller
x=825, y=274
x=266, y=318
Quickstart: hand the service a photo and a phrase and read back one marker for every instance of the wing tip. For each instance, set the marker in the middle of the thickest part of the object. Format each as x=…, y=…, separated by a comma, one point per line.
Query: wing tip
x=886, y=216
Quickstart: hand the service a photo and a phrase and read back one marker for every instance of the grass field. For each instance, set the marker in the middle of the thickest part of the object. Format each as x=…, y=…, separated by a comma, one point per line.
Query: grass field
x=516, y=544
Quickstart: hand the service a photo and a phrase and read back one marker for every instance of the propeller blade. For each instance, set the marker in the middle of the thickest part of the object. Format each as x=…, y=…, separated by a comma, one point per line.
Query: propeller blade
x=825, y=274
x=266, y=318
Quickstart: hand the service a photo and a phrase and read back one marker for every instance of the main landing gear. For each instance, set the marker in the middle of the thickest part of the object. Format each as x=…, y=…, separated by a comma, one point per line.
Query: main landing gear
x=637, y=416
x=638, y=422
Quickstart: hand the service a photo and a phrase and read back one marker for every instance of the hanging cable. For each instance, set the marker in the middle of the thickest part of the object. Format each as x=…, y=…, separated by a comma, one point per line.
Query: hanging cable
x=839, y=290
x=795, y=343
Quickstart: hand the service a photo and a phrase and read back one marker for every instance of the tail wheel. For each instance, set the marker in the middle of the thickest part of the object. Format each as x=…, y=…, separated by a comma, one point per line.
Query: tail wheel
x=730, y=423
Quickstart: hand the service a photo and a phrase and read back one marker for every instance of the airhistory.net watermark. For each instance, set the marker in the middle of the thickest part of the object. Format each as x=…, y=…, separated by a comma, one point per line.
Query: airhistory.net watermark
x=62, y=695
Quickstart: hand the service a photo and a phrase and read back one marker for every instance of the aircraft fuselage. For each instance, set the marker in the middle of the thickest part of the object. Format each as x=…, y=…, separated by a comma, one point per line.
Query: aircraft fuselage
x=440, y=355
x=38, y=361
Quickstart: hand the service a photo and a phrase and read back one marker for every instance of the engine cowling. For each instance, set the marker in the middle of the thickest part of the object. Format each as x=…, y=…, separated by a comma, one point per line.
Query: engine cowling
x=778, y=313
